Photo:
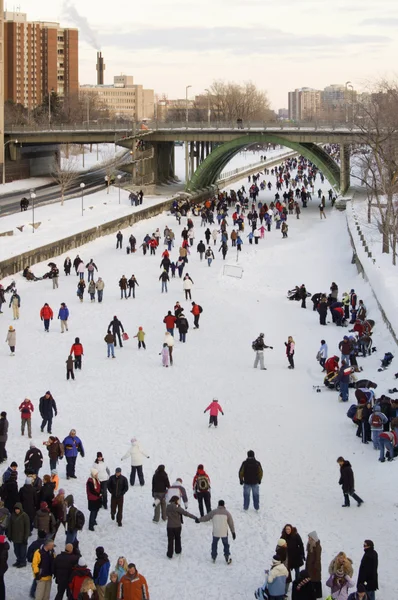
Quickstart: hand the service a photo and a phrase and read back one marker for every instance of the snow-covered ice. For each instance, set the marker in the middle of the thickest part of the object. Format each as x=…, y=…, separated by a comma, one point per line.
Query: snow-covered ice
x=296, y=433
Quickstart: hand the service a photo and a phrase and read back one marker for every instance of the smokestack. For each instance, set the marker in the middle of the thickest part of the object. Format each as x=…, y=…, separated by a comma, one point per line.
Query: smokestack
x=100, y=69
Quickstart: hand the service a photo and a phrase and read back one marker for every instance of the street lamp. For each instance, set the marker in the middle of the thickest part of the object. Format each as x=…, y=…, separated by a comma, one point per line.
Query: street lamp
x=347, y=83
x=186, y=103
x=4, y=158
x=33, y=198
x=208, y=106
x=82, y=186
x=119, y=178
x=49, y=106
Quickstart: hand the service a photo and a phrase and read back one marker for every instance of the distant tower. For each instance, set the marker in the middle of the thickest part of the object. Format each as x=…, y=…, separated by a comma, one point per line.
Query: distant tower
x=100, y=69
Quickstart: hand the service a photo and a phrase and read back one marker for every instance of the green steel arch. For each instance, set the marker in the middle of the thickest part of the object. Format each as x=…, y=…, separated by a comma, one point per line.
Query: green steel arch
x=209, y=170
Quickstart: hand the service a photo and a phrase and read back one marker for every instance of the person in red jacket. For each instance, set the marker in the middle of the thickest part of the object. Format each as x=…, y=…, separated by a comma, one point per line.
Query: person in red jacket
x=214, y=409
x=170, y=322
x=77, y=350
x=332, y=365
x=196, y=310
x=46, y=314
x=26, y=408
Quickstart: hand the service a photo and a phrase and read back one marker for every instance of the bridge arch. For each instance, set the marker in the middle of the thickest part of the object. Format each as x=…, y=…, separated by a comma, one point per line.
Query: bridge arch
x=209, y=170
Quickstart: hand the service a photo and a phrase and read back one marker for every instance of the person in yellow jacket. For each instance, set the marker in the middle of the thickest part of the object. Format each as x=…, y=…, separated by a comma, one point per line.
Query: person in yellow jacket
x=141, y=338
x=43, y=569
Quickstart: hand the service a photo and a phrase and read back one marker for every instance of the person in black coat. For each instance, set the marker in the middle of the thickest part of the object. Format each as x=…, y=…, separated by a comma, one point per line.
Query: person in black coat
x=368, y=569
x=250, y=476
x=4, y=548
x=47, y=490
x=347, y=482
x=117, y=487
x=67, y=265
x=33, y=460
x=160, y=485
x=303, y=295
x=303, y=588
x=114, y=327
x=47, y=409
x=183, y=326
x=323, y=311
x=295, y=548
x=28, y=499
x=9, y=492
x=63, y=565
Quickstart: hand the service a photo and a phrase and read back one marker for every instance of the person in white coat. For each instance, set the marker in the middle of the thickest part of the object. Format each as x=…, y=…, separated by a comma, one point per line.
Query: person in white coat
x=169, y=340
x=177, y=489
x=103, y=476
x=222, y=521
x=191, y=236
x=214, y=235
x=322, y=354
x=187, y=286
x=11, y=339
x=135, y=453
x=81, y=270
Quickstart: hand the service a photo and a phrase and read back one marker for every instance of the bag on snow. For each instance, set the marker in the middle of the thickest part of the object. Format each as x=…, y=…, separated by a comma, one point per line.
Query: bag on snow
x=128, y=250
x=352, y=411
x=376, y=421
x=80, y=520
x=202, y=483
x=125, y=336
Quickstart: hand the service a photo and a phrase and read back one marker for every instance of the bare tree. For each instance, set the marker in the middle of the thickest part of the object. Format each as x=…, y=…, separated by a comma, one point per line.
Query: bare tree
x=65, y=173
x=377, y=118
x=230, y=101
x=111, y=162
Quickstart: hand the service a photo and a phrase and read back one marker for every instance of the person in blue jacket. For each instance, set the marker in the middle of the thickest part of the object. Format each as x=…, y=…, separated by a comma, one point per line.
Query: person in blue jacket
x=72, y=445
x=101, y=570
x=276, y=580
x=63, y=315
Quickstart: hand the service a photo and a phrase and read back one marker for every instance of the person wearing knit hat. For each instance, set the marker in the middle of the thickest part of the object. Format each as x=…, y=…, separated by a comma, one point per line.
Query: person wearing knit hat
x=103, y=477
x=360, y=594
x=11, y=339
x=281, y=550
x=313, y=563
x=78, y=574
x=44, y=519
x=94, y=497
x=368, y=575
x=136, y=453
x=340, y=584
x=33, y=459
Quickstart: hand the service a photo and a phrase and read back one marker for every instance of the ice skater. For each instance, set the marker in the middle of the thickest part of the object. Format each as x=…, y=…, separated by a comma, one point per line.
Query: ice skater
x=214, y=409
x=165, y=354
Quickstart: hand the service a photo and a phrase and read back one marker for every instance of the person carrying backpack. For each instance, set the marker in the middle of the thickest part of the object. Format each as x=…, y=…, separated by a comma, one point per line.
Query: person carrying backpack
x=26, y=408
x=75, y=520
x=376, y=421
x=196, y=311
x=201, y=489
x=214, y=409
x=259, y=346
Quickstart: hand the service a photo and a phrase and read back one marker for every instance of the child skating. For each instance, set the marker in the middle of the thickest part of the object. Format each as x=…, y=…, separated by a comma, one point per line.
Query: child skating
x=141, y=338
x=214, y=409
x=165, y=354
x=69, y=367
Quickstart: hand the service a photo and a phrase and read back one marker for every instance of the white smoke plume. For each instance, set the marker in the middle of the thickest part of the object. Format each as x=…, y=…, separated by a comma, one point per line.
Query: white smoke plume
x=86, y=32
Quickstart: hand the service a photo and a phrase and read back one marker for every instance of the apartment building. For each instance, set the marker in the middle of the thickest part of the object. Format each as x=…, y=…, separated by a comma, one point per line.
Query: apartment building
x=124, y=98
x=39, y=57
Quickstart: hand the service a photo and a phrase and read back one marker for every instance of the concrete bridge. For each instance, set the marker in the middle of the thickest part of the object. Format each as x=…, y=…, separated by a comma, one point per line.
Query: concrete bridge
x=208, y=148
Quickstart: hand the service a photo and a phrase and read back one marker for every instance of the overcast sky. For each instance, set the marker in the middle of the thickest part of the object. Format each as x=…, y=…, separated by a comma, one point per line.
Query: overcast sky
x=277, y=44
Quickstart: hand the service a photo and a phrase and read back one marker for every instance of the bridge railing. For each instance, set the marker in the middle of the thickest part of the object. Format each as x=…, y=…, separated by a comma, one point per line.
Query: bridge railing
x=132, y=128
x=260, y=165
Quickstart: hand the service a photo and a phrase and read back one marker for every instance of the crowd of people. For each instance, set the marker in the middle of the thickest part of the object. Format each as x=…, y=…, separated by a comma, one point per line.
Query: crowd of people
x=43, y=508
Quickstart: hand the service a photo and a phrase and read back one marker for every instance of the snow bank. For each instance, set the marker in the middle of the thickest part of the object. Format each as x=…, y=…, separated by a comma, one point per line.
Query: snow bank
x=378, y=269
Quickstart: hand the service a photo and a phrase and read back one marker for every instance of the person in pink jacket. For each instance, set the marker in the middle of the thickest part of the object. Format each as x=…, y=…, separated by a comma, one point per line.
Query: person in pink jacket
x=214, y=409
x=290, y=346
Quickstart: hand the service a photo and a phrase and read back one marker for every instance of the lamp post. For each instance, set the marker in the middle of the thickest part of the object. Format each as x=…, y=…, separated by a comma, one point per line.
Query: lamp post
x=186, y=104
x=352, y=101
x=88, y=111
x=208, y=106
x=119, y=178
x=49, y=106
x=82, y=186
x=33, y=198
x=347, y=83
x=4, y=158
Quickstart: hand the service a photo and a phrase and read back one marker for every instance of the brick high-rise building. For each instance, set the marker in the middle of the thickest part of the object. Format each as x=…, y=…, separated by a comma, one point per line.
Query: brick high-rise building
x=1, y=83
x=39, y=57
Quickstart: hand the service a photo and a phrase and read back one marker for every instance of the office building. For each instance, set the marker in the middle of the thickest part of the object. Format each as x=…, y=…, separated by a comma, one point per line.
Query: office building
x=39, y=57
x=124, y=98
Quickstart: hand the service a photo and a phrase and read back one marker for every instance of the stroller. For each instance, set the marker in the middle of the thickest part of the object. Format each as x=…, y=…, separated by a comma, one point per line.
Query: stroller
x=331, y=382
x=386, y=361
